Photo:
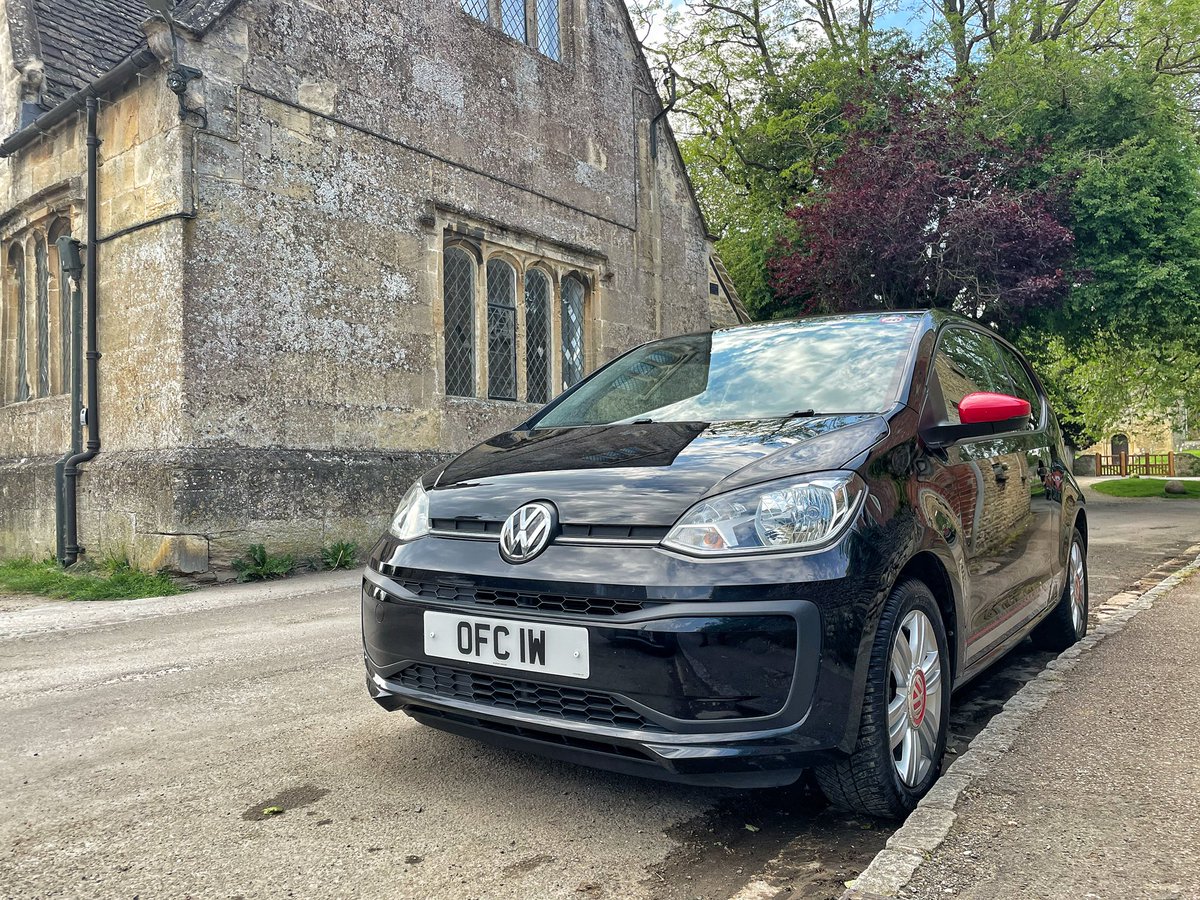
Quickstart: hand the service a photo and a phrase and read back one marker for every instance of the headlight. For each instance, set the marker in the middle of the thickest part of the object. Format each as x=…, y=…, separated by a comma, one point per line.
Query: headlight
x=411, y=520
x=789, y=514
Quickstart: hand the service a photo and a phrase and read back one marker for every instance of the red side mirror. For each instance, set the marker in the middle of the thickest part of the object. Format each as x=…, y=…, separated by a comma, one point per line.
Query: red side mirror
x=981, y=408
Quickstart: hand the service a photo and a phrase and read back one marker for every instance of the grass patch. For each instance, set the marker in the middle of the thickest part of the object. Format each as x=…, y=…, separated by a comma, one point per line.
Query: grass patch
x=1145, y=487
x=116, y=581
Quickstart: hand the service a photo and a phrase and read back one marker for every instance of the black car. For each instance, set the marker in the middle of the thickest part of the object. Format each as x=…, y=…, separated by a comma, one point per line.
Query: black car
x=726, y=558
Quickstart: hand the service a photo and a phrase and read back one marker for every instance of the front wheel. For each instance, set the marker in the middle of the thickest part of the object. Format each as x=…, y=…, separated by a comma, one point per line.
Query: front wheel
x=902, y=732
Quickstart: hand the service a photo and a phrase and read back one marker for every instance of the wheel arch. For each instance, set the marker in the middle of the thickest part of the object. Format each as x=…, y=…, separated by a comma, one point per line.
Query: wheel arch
x=929, y=569
x=1081, y=523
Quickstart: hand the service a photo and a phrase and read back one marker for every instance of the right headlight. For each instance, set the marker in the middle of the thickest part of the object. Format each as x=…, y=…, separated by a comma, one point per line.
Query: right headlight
x=411, y=520
x=789, y=514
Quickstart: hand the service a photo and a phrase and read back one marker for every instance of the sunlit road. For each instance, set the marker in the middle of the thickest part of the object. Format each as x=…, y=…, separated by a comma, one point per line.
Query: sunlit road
x=140, y=741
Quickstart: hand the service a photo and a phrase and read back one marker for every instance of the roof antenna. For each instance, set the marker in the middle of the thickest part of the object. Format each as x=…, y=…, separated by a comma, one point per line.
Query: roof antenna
x=178, y=76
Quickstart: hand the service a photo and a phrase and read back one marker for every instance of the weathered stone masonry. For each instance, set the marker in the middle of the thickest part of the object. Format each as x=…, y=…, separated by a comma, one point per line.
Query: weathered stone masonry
x=275, y=367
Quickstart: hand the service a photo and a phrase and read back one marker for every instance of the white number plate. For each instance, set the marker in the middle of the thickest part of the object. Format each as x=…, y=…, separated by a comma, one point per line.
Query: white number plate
x=508, y=644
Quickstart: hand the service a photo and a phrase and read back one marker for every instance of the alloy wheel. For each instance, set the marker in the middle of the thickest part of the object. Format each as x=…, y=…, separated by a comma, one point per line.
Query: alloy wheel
x=915, y=707
x=1078, y=588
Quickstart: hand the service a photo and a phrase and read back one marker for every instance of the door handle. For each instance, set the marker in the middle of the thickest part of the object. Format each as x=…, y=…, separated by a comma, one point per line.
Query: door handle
x=1000, y=470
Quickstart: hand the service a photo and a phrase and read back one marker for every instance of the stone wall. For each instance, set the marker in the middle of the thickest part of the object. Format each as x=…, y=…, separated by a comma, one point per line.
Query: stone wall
x=273, y=368
x=140, y=178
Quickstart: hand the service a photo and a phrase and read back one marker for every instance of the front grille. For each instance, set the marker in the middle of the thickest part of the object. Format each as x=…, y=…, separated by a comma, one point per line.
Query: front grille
x=469, y=527
x=559, y=701
x=451, y=592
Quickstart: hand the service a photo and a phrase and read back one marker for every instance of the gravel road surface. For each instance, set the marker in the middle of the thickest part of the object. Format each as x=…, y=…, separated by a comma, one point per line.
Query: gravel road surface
x=140, y=742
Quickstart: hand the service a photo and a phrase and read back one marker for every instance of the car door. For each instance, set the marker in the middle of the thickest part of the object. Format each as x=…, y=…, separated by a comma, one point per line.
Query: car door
x=1008, y=539
x=1044, y=455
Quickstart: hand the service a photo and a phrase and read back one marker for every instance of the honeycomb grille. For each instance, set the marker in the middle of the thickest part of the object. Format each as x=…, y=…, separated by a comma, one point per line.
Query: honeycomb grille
x=558, y=701
x=448, y=592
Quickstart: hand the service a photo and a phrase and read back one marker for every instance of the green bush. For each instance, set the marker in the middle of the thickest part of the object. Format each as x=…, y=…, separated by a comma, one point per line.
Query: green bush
x=259, y=565
x=340, y=555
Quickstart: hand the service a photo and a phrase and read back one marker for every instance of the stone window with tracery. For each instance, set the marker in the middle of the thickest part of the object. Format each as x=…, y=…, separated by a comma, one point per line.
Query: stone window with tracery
x=35, y=315
x=514, y=326
x=537, y=23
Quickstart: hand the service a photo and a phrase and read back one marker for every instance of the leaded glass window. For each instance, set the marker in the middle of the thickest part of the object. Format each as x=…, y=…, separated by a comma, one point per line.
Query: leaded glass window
x=502, y=330
x=476, y=8
x=572, y=330
x=512, y=19
x=537, y=336
x=458, y=300
x=16, y=294
x=549, y=41
x=42, y=311
x=60, y=302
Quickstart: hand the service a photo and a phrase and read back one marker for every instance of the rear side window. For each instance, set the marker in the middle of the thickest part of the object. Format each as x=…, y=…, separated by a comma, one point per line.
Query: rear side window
x=967, y=361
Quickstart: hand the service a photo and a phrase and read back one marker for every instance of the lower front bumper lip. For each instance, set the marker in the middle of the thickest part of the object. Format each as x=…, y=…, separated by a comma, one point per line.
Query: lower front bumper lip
x=735, y=760
x=394, y=695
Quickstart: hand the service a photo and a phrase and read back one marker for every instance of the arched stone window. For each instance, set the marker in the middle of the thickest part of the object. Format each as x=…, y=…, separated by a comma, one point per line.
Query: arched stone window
x=502, y=330
x=15, y=293
x=1120, y=444
x=573, y=356
x=458, y=302
x=537, y=336
x=59, y=296
x=536, y=23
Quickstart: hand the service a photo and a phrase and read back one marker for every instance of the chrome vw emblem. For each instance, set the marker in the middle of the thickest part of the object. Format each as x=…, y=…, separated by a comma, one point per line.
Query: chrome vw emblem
x=527, y=532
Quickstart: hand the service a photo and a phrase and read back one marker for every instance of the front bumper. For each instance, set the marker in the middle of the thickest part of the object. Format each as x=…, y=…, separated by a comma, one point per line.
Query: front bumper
x=702, y=672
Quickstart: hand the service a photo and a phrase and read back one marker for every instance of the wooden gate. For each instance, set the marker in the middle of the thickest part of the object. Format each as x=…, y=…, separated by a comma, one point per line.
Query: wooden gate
x=1162, y=464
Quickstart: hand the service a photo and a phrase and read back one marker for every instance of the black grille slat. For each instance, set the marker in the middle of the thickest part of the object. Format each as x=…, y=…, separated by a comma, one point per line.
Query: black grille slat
x=469, y=526
x=567, y=703
x=446, y=591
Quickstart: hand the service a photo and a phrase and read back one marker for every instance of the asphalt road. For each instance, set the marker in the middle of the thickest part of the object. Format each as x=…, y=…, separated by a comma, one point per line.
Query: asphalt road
x=140, y=742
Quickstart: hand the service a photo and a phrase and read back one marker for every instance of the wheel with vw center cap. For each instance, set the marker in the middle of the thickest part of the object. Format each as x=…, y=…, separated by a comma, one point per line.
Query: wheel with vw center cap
x=902, y=732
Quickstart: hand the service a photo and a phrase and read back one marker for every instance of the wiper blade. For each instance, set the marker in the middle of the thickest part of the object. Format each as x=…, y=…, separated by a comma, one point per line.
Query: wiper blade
x=804, y=414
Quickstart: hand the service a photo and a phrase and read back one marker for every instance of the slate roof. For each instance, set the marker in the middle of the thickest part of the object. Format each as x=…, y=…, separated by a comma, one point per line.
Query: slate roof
x=83, y=39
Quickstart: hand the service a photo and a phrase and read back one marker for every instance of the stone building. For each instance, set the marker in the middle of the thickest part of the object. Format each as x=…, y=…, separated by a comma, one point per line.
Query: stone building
x=335, y=242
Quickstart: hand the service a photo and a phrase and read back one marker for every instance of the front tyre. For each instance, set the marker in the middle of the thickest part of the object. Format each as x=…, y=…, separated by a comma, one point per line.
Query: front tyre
x=902, y=733
x=1067, y=622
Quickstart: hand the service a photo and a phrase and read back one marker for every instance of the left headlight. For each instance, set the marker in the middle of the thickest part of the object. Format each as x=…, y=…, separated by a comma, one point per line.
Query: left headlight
x=789, y=514
x=411, y=520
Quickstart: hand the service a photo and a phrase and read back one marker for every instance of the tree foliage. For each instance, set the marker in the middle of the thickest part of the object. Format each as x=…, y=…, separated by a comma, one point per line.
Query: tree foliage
x=1060, y=201
x=922, y=210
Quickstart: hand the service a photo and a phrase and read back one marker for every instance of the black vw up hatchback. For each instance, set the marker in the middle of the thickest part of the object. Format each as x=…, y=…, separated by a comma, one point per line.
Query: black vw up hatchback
x=725, y=558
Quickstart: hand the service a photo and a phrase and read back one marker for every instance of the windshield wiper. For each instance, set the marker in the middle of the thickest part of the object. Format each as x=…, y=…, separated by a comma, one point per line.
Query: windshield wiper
x=803, y=414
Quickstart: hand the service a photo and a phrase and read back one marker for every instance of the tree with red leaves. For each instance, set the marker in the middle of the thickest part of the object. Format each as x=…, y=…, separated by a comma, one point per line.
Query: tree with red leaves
x=922, y=211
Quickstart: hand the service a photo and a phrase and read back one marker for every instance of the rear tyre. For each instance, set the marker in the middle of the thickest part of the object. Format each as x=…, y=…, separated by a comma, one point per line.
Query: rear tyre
x=902, y=733
x=1067, y=622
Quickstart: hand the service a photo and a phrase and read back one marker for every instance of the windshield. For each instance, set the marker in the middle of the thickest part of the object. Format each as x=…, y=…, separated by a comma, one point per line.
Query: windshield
x=766, y=371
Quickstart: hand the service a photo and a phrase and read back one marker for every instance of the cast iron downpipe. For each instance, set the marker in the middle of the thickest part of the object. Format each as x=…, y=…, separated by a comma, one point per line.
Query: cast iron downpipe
x=70, y=277
x=92, y=410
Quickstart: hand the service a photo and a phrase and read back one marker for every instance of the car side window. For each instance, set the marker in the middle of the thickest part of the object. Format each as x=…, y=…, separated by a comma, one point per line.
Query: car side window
x=967, y=361
x=1022, y=384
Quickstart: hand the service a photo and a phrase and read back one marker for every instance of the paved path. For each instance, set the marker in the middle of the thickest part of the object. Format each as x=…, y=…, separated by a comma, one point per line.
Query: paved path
x=139, y=742
x=1100, y=795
